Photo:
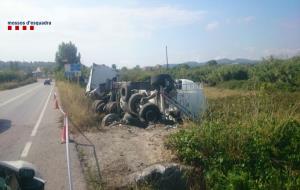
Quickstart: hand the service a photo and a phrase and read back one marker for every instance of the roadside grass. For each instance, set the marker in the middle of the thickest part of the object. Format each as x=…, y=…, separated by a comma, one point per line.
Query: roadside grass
x=246, y=140
x=77, y=105
x=215, y=93
x=15, y=84
x=91, y=176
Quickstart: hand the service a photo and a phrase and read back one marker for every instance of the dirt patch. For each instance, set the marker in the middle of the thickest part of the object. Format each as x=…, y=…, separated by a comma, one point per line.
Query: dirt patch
x=122, y=150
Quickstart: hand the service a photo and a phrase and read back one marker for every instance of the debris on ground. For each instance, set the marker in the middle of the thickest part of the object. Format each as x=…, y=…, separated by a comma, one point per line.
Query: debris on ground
x=122, y=151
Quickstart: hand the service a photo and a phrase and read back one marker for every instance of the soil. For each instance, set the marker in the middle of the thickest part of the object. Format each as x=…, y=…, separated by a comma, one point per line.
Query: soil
x=122, y=150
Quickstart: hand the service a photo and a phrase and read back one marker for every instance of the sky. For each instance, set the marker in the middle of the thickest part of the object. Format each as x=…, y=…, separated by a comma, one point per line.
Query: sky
x=130, y=32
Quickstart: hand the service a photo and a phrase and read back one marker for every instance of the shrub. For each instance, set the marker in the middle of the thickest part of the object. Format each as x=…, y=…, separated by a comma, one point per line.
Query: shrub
x=245, y=142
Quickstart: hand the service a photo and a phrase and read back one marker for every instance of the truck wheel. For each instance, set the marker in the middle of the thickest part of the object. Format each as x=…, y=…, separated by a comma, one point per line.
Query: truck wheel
x=149, y=113
x=111, y=107
x=130, y=119
x=163, y=80
x=95, y=103
x=125, y=92
x=100, y=107
x=160, y=80
x=134, y=102
x=123, y=105
x=109, y=119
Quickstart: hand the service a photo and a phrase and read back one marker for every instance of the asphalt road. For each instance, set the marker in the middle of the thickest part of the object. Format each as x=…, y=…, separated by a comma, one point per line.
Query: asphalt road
x=30, y=130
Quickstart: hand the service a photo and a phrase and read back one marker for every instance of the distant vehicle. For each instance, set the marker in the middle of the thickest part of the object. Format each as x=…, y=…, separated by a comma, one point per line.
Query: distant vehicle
x=47, y=82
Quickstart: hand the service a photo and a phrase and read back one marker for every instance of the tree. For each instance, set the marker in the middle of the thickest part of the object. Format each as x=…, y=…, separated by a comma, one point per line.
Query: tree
x=46, y=71
x=212, y=62
x=124, y=68
x=85, y=71
x=183, y=66
x=14, y=65
x=67, y=54
x=137, y=67
x=114, y=66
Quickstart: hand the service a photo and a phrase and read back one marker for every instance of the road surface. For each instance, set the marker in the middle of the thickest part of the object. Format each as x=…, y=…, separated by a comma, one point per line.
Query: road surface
x=30, y=131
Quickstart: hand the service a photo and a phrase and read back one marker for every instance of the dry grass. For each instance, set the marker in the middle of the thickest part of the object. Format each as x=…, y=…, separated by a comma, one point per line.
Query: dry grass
x=77, y=105
x=215, y=93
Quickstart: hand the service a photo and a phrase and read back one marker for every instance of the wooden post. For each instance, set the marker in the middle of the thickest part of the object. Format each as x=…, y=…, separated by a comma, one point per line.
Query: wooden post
x=167, y=58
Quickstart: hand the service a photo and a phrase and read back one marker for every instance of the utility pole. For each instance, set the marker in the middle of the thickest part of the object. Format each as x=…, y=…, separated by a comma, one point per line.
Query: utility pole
x=167, y=58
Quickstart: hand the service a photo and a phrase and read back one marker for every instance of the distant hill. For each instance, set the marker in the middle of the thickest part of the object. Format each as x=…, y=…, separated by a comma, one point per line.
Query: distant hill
x=220, y=61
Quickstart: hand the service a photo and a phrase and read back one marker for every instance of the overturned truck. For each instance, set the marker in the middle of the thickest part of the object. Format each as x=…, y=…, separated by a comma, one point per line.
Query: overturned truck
x=159, y=100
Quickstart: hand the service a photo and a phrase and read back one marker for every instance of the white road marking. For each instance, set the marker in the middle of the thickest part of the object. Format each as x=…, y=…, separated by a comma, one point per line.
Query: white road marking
x=26, y=149
x=33, y=133
x=19, y=96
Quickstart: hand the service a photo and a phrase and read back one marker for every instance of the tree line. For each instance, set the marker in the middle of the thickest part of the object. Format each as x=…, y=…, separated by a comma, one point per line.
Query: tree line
x=25, y=66
x=269, y=73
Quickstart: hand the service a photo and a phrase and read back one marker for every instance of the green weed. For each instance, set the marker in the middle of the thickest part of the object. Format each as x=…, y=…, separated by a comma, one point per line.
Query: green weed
x=245, y=142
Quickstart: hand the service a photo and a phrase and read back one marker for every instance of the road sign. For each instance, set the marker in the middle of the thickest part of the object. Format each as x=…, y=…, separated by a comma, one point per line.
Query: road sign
x=73, y=69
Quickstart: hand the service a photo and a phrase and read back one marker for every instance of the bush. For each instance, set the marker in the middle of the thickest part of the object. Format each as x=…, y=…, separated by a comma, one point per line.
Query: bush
x=245, y=142
x=237, y=84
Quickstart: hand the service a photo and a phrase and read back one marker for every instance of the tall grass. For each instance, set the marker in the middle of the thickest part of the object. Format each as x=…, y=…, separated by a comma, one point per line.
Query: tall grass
x=245, y=142
x=77, y=105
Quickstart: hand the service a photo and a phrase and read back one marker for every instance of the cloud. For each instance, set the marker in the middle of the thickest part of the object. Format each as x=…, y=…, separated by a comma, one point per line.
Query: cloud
x=248, y=19
x=291, y=23
x=282, y=52
x=111, y=30
x=212, y=26
x=240, y=20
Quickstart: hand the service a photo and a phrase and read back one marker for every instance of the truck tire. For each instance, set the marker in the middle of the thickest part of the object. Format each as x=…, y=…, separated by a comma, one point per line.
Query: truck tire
x=95, y=103
x=100, y=107
x=133, y=120
x=163, y=80
x=159, y=80
x=109, y=119
x=150, y=113
x=111, y=107
x=134, y=102
x=123, y=105
x=125, y=92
